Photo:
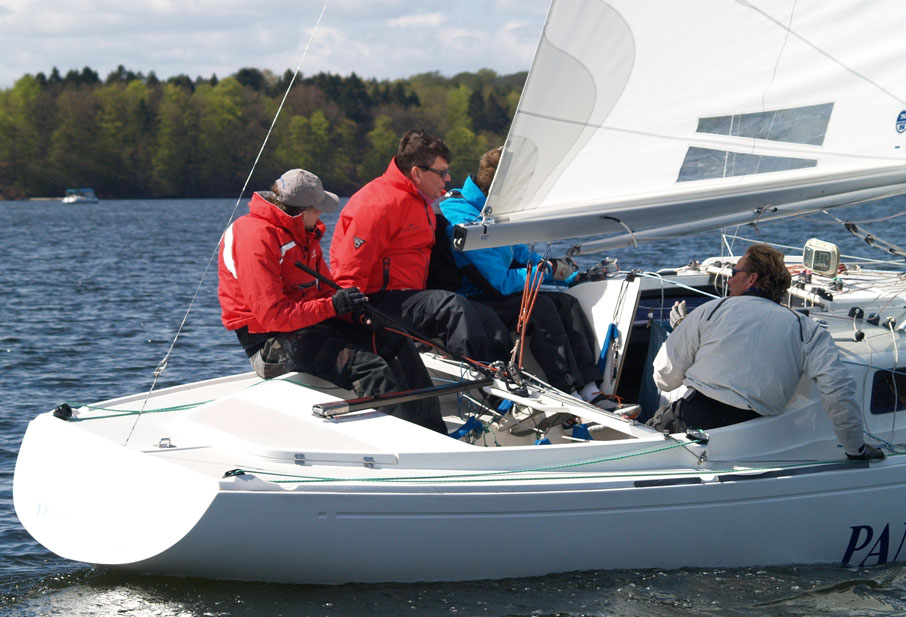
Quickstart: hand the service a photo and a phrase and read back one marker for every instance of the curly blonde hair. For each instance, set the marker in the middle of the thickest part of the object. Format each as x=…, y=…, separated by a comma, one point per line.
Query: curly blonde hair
x=487, y=167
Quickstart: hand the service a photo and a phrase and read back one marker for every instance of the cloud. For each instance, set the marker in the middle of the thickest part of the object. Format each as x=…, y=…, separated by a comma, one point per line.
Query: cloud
x=428, y=20
x=378, y=38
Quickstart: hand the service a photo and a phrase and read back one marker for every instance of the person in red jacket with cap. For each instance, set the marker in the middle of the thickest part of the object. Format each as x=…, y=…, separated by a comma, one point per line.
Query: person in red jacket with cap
x=382, y=245
x=288, y=320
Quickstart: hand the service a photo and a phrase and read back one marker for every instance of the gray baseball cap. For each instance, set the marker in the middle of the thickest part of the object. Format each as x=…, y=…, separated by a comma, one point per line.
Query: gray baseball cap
x=303, y=189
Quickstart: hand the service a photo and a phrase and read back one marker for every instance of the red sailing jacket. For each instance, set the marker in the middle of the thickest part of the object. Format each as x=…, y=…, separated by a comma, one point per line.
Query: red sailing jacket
x=384, y=236
x=259, y=284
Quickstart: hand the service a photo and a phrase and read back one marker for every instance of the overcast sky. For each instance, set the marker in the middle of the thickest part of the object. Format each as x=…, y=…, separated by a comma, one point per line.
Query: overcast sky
x=373, y=38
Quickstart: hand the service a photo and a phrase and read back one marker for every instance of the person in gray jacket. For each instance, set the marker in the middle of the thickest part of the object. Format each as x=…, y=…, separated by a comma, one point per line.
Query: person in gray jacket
x=743, y=356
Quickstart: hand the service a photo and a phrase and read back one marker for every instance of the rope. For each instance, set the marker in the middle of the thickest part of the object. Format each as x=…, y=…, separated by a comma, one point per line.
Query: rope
x=434, y=345
x=162, y=365
x=513, y=475
x=525, y=294
x=655, y=275
x=121, y=413
x=534, y=276
x=529, y=303
x=184, y=407
x=858, y=258
x=482, y=474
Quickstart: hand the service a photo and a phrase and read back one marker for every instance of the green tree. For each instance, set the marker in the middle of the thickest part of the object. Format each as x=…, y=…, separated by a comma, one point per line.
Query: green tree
x=174, y=138
x=466, y=147
x=125, y=141
x=382, y=143
x=457, y=112
x=217, y=113
x=344, y=158
x=74, y=158
x=20, y=138
x=131, y=136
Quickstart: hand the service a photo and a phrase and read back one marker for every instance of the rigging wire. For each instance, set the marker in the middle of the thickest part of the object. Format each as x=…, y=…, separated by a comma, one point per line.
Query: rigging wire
x=857, y=258
x=862, y=222
x=162, y=365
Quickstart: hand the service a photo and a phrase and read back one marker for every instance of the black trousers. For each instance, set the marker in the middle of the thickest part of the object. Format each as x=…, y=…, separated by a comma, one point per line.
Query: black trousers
x=695, y=410
x=470, y=330
x=354, y=358
x=562, y=340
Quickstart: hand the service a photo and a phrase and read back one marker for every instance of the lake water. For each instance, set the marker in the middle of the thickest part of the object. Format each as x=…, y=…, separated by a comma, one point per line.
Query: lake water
x=93, y=295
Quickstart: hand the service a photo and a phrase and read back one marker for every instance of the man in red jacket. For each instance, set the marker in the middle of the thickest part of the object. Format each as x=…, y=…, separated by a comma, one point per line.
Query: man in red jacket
x=286, y=320
x=382, y=245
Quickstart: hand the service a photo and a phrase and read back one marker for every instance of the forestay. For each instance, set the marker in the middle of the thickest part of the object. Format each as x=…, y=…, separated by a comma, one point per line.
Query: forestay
x=645, y=119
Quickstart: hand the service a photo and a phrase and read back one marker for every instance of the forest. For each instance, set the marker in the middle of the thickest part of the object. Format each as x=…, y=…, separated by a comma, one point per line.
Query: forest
x=135, y=136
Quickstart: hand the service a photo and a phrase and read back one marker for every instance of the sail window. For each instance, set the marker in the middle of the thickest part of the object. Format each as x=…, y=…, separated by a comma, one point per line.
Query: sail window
x=800, y=125
x=706, y=163
x=888, y=391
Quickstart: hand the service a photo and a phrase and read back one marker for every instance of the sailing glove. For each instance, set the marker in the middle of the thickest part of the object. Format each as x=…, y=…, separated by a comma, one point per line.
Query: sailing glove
x=867, y=453
x=347, y=299
x=562, y=269
x=677, y=314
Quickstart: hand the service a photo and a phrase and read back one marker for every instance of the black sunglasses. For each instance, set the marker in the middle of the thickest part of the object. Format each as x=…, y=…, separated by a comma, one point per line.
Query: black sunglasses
x=443, y=173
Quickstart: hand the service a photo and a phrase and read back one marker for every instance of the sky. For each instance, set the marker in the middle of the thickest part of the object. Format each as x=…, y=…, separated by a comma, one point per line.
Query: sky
x=382, y=39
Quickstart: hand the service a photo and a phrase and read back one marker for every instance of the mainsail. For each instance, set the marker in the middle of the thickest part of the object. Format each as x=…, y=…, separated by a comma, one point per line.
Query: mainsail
x=645, y=118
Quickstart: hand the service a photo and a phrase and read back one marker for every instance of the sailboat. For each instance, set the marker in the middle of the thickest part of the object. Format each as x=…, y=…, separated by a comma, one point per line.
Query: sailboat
x=638, y=121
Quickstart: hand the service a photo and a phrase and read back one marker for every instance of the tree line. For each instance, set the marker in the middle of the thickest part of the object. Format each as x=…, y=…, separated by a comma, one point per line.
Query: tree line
x=135, y=136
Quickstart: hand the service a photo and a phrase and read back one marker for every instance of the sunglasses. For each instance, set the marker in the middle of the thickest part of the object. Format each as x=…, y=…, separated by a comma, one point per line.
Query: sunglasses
x=735, y=271
x=443, y=173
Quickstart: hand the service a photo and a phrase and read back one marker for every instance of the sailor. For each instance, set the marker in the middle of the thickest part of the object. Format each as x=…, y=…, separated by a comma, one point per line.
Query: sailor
x=743, y=356
x=382, y=245
x=287, y=320
x=561, y=337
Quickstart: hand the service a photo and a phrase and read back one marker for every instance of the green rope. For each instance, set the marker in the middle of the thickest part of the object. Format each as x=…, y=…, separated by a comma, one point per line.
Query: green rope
x=485, y=474
x=123, y=413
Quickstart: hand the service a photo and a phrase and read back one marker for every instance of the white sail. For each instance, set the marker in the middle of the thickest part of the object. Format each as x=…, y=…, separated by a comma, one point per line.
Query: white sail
x=651, y=117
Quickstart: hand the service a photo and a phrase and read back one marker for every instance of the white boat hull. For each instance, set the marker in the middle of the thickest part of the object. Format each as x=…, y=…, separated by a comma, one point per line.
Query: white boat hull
x=372, y=537
x=368, y=497
x=105, y=504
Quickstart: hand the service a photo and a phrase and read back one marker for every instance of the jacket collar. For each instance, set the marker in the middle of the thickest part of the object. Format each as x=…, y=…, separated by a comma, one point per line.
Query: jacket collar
x=261, y=207
x=399, y=180
x=473, y=194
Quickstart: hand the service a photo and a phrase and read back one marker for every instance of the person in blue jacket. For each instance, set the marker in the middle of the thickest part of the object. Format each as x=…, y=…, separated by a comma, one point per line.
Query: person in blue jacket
x=561, y=338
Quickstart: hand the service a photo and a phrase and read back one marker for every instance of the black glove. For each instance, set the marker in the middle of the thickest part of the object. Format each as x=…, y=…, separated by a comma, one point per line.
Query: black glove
x=867, y=453
x=562, y=269
x=347, y=299
x=367, y=319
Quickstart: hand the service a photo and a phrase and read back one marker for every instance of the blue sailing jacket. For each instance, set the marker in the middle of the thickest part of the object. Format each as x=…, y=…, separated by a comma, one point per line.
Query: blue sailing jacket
x=493, y=263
